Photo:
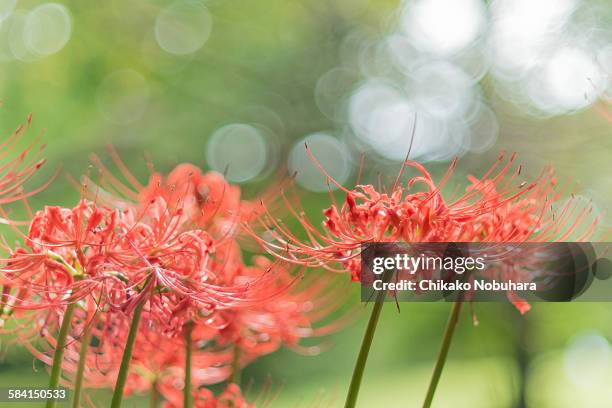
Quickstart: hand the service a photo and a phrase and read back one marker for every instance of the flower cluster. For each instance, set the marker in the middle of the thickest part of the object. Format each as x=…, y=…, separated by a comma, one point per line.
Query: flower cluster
x=496, y=207
x=152, y=279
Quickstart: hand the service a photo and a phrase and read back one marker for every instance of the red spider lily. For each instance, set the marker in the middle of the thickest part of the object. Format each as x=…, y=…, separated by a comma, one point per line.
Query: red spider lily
x=68, y=257
x=494, y=208
x=170, y=250
x=74, y=251
x=122, y=263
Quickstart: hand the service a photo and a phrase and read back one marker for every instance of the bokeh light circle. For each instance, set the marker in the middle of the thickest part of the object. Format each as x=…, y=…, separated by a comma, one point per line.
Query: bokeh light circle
x=331, y=90
x=237, y=150
x=183, y=27
x=483, y=130
x=47, y=28
x=404, y=55
x=443, y=27
x=265, y=117
x=570, y=79
x=522, y=30
x=434, y=139
x=382, y=117
x=6, y=8
x=329, y=152
x=587, y=360
x=573, y=78
x=441, y=89
x=474, y=62
x=16, y=26
x=6, y=53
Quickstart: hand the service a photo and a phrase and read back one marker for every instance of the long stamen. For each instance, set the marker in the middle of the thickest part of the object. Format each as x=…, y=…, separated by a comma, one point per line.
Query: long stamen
x=401, y=172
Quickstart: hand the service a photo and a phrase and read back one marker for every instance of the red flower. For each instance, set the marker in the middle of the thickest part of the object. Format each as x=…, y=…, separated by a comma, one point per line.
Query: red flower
x=494, y=208
x=170, y=247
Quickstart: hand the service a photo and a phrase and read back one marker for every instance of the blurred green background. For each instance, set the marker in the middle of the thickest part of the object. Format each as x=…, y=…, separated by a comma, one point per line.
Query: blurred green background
x=237, y=86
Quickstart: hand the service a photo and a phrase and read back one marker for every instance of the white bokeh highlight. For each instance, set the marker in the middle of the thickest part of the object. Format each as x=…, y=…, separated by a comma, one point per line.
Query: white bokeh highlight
x=522, y=30
x=443, y=27
x=237, y=150
x=587, y=361
x=16, y=26
x=47, y=28
x=573, y=78
x=483, y=130
x=382, y=117
x=441, y=89
x=329, y=152
x=183, y=27
x=31, y=35
x=386, y=120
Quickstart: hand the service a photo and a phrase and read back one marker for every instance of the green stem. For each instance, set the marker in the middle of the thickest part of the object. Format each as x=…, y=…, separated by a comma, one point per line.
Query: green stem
x=155, y=397
x=187, y=388
x=78, y=382
x=366, y=343
x=235, y=378
x=58, y=357
x=1, y=301
x=127, y=356
x=446, y=341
